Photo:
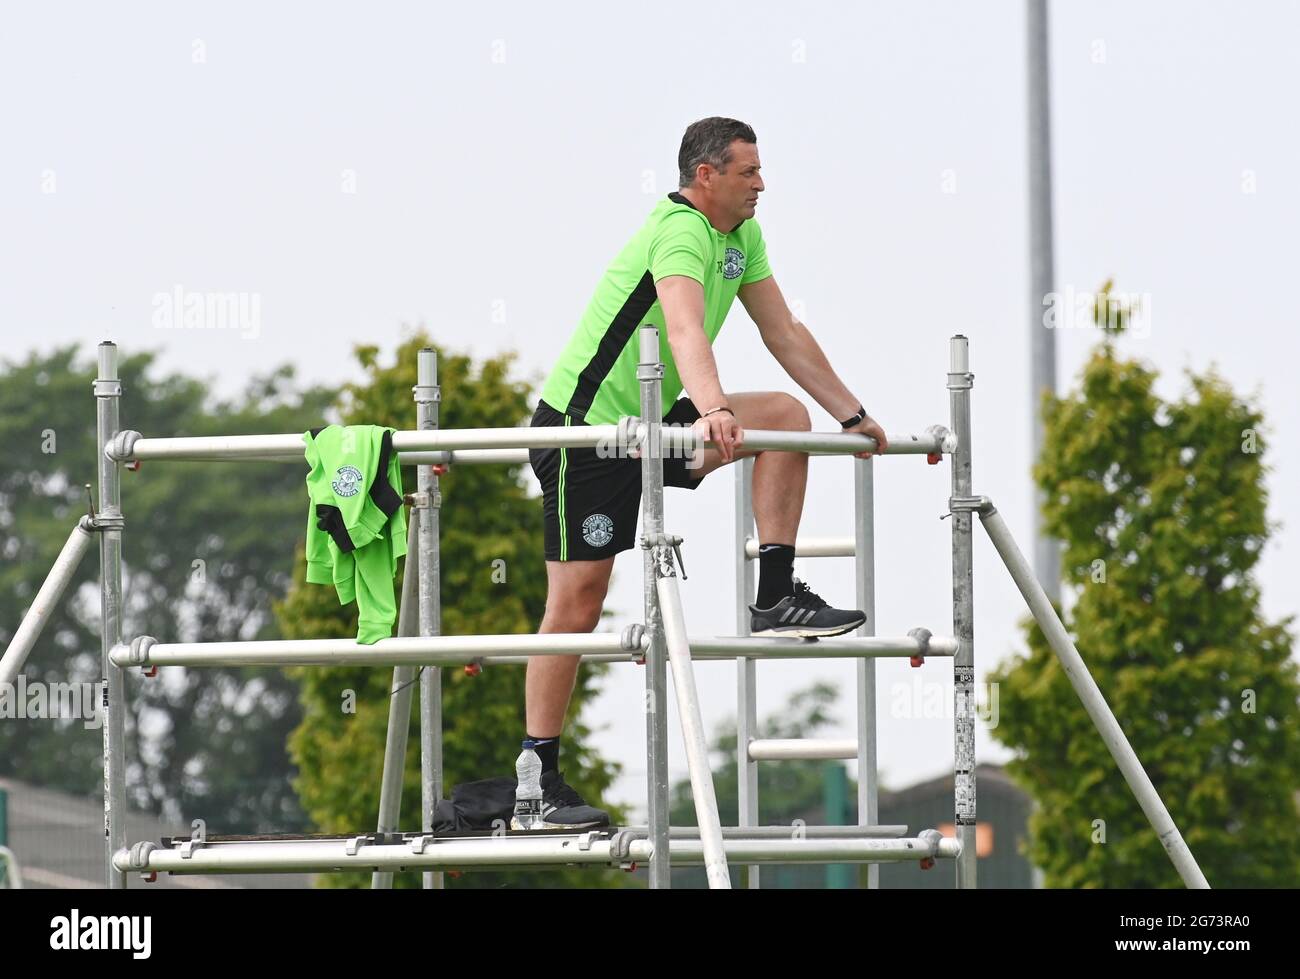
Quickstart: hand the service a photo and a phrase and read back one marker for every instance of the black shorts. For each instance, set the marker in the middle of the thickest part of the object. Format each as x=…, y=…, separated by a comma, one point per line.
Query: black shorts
x=590, y=504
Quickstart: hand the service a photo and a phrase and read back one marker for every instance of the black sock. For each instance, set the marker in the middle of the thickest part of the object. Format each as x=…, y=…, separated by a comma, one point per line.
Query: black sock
x=548, y=750
x=775, y=573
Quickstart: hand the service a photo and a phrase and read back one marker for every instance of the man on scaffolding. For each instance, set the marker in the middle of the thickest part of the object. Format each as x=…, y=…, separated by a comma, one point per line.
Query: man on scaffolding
x=699, y=249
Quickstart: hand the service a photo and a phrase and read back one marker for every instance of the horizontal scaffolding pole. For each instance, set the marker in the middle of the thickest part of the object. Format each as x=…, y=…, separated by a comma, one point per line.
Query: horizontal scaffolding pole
x=812, y=547
x=813, y=850
x=801, y=749
x=869, y=647
x=854, y=832
x=481, y=456
x=906, y=445
x=516, y=850
x=400, y=651
x=449, y=650
x=463, y=457
x=508, y=660
x=131, y=446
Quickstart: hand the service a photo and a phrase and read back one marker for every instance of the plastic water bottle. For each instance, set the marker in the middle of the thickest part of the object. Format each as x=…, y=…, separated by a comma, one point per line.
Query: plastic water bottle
x=528, y=791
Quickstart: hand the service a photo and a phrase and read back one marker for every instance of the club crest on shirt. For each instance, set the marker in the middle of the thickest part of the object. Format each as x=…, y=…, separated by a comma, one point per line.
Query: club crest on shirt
x=733, y=266
x=598, y=530
x=347, y=481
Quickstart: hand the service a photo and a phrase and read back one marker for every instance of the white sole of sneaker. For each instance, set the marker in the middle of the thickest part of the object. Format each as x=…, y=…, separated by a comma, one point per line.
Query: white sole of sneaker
x=515, y=825
x=796, y=632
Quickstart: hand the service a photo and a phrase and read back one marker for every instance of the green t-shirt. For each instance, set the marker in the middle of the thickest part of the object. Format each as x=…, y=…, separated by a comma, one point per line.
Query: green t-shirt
x=595, y=377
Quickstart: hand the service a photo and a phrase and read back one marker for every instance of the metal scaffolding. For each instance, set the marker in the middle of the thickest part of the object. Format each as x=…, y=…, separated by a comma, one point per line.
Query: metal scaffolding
x=659, y=639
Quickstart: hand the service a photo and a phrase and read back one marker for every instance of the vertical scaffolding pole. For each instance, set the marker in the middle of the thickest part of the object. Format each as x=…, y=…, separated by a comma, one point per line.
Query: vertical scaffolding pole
x=108, y=391
x=864, y=541
x=746, y=675
x=427, y=397
x=960, y=380
x=399, y=702
x=650, y=372
x=1042, y=341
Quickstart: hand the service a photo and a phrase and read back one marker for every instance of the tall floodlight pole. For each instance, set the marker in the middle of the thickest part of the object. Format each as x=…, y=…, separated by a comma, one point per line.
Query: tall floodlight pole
x=1047, y=555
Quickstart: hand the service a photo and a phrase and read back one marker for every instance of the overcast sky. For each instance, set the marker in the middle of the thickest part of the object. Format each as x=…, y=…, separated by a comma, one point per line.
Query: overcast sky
x=358, y=168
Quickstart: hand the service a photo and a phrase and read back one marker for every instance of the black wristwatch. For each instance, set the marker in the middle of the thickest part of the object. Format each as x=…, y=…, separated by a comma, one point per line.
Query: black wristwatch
x=862, y=413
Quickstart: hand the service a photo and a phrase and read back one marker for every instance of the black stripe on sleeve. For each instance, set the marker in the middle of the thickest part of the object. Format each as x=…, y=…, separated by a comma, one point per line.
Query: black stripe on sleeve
x=617, y=334
x=330, y=519
x=382, y=493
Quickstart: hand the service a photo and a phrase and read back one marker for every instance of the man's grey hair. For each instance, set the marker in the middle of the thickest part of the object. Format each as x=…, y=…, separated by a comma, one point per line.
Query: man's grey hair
x=709, y=141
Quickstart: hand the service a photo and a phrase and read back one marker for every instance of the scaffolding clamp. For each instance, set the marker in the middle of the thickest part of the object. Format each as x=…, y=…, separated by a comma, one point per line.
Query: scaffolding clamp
x=138, y=860
x=121, y=447
x=922, y=637
x=420, y=500
x=633, y=633
x=138, y=855
x=933, y=837
x=620, y=847
x=627, y=441
x=136, y=654
x=982, y=505
x=666, y=540
x=426, y=393
x=110, y=519
x=87, y=522
x=947, y=443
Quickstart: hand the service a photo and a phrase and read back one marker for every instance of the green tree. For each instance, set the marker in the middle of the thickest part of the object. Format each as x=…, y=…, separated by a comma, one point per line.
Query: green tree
x=489, y=526
x=1161, y=508
x=204, y=552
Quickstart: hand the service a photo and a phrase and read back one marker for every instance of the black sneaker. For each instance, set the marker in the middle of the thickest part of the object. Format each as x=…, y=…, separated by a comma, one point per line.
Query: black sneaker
x=563, y=808
x=802, y=615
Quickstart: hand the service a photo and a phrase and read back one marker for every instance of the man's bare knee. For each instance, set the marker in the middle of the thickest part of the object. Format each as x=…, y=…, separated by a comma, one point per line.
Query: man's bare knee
x=795, y=414
x=562, y=617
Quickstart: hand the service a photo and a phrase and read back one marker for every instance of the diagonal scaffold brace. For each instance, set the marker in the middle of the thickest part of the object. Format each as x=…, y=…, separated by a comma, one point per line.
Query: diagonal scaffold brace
x=688, y=708
x=1086, y=687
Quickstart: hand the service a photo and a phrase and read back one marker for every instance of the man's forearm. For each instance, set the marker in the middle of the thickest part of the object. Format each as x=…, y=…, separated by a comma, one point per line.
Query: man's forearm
x=802, y=357
x=693, y=356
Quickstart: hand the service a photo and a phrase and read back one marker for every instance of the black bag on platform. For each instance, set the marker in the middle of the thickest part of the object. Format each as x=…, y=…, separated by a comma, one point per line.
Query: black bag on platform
x=486, y=804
